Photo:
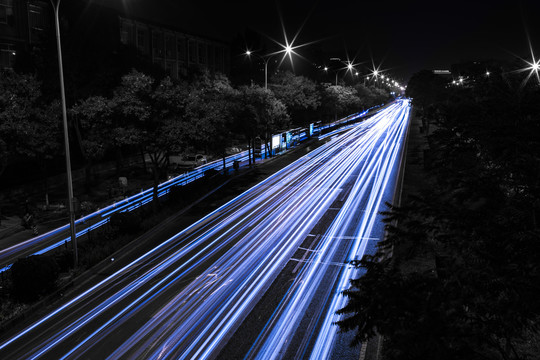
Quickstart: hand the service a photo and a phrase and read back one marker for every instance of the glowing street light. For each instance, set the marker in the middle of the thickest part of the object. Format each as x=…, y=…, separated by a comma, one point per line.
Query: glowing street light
x=533, y=68
x=349, y=67
x=288, y=50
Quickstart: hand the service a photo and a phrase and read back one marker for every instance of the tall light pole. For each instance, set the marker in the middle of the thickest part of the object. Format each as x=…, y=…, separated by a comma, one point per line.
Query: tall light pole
x=266, y=59
x=348, y=68
x=56, y=7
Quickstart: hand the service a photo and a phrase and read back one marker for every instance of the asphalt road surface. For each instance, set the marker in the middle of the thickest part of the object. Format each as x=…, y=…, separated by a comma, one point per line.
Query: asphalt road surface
x=259, y=277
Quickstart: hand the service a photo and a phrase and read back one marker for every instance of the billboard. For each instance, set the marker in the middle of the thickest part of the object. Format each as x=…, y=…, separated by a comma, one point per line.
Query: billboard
x=276, y=140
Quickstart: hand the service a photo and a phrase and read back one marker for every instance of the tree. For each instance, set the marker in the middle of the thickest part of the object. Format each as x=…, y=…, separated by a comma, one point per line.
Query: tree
x=476, y=230
x=19, y=95
x=298, y=93
x=212, y=106
x=138, y=122
x=34, y=276
x=93, y=123
x=29, y=129
x=340, y=100
x=263, y=114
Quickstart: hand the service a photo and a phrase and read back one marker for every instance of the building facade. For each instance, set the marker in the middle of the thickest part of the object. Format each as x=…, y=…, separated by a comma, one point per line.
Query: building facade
x=23, y=22
x=21, y=26
x=173, y=50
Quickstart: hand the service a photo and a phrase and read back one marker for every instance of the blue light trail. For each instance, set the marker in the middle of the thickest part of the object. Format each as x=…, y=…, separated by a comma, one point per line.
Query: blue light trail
x=186, y=297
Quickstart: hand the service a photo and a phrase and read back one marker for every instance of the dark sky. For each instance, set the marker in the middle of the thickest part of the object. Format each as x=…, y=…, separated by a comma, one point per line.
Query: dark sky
x=404, y=36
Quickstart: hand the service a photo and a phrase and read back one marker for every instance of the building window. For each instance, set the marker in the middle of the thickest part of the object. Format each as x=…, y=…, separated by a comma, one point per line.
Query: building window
x=157, y=44
x=142, y=40
x=7, y=56
x=219, y=66
x=37, y=17
x=170, y=48
x=6, y=12
x=126, y=33
x=211, y=56
x=170, y=68
x=181, y=48
x=202, y=53
x=192, y=51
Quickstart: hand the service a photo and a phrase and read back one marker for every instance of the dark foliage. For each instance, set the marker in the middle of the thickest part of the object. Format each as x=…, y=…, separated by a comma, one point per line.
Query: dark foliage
x=33, y=276
x=125, y=222
x=464, y=273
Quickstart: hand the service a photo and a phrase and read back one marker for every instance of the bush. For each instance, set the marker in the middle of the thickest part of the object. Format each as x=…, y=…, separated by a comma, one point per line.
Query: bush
x=126, y=222
x=64, y=260
x=176, y=193
x=33, y=276
x=210, y=173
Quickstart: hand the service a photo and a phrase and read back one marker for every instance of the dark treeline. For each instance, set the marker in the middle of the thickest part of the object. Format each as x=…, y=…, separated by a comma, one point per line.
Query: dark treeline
x=464, y=276
x=154, y=116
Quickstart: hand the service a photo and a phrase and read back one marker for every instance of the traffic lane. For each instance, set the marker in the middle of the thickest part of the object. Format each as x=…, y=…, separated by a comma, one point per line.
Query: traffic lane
x=233, y=287
x=287, y=282
x=251, y=266
x=120, y=283
x=254, y=350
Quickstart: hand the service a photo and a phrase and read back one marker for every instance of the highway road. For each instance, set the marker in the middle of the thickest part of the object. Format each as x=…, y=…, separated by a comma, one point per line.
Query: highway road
x=191, y=296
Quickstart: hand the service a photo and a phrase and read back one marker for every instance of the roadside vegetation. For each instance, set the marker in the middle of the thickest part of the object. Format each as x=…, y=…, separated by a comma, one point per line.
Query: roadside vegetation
x=38, y=278
x=155, y=116
x=464, y=276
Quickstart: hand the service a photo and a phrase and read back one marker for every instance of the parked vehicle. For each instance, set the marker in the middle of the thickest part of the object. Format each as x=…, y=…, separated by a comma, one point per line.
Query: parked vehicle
x=232, y=150
x=188, y=161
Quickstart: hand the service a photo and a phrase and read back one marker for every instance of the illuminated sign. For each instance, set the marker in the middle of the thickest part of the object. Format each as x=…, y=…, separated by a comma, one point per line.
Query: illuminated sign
x=276, y=140
x=442, y=72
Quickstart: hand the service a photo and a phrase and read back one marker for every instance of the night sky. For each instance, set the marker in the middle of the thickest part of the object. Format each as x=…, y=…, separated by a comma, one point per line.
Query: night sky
x=403, y=37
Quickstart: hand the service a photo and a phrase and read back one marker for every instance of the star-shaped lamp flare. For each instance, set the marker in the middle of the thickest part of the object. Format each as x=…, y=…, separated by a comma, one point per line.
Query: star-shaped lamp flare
x=533, y=68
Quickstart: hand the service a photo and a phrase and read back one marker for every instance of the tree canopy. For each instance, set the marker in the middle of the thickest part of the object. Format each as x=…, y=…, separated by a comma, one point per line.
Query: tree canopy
x=464, y=274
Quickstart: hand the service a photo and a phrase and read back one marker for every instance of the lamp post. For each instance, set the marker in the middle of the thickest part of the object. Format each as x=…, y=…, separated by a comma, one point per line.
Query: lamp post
x=266, y=59
x=56, y=6
x=348, y=68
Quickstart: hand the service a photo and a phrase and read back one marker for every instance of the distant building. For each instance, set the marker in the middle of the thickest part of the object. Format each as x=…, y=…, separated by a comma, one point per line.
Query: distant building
x=442, y=72
x=173, y=50
x=22, y=22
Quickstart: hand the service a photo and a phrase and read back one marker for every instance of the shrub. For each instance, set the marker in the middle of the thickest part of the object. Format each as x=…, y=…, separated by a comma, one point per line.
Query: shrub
x=64, y=259
x=125, y=222
x=34, y=276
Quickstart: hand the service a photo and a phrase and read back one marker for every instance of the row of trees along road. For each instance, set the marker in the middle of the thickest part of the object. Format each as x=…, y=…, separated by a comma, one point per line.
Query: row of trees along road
x=157, y=117
x=464, y=279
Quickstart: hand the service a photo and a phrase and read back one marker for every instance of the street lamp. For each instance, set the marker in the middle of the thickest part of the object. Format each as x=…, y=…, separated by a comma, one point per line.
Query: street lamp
x=266, y=59
x=56, y=7
x=348, y=68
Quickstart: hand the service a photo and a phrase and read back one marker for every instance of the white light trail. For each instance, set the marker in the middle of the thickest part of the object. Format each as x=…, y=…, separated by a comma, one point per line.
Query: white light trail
x=236, y=251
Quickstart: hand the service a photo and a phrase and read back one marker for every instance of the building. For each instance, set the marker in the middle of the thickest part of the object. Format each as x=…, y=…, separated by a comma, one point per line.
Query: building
x=21, y=25
x=23, y=22
x=173, y=50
